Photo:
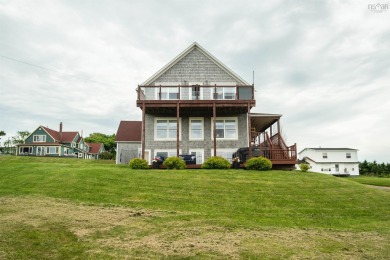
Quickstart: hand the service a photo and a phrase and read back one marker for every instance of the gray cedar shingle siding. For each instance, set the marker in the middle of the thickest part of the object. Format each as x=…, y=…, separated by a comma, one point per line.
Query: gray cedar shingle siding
x=195, y=67
x=185, y=144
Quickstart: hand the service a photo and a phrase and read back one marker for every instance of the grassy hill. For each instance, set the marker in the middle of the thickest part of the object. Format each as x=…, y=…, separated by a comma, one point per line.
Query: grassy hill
x=70, y=208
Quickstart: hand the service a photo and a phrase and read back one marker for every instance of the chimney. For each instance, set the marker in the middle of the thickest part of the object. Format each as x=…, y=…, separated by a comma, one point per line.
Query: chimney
x=60, y=131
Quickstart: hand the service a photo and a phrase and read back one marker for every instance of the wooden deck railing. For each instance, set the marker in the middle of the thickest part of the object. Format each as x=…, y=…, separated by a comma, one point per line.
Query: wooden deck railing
x=195, y=92
x=275, y=149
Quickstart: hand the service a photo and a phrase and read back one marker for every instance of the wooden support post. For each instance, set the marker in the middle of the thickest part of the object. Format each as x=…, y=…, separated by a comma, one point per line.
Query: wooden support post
x=143, y=132
x=215, y=129
x=250, y=132
x=279, y=135
x=177, y=128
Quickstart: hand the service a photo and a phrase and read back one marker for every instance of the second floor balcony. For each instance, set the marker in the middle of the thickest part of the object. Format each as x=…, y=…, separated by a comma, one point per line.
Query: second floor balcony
x=195, y=92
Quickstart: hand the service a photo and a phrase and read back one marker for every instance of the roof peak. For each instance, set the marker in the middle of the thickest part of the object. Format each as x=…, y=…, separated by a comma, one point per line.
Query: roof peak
x=189, y=49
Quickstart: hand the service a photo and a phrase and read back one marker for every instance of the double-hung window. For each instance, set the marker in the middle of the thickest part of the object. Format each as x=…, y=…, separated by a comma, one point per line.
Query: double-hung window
x=196, y=128
x=226, y=128
x=39, y=138
x=165, y=129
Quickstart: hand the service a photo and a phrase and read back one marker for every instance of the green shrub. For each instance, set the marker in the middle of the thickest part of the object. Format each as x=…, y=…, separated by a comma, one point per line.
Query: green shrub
x=174, y=162
x=258, y=164
x=216, y=162
x=106, y=156
x=304, y=167
x=138, y=163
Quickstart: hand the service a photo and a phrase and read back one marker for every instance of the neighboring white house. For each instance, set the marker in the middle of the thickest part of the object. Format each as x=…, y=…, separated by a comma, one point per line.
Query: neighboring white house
x=336, y=161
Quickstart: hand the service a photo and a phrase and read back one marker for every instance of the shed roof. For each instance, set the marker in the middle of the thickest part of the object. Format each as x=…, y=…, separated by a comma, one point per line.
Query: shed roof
x=129, y=131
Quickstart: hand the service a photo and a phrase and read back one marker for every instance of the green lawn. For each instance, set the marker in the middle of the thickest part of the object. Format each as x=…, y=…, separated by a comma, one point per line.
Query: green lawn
x=70, y=208
x=371, y=180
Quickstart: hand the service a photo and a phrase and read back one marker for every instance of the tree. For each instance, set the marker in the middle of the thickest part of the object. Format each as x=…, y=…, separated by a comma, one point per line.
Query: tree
x=2, y=133
x=20, y=137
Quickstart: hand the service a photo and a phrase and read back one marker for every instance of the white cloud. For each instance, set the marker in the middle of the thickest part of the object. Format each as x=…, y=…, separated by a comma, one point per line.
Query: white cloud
x=324, y=65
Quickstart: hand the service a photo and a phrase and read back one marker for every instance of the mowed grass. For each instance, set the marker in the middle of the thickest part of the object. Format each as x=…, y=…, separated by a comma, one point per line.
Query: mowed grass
x=371, y=180
x=70, y=208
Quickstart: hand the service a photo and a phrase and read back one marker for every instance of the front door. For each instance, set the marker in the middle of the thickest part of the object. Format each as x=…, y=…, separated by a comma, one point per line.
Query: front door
x=40, y=150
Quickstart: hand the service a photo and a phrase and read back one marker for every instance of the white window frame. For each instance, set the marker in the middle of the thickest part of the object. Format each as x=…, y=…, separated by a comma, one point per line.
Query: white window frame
x=191, y=138
x=30, y=149
x=146, y=151
x=49, y=148
x=226, y=151
x=224, y=118
x=201, y=152
x=166, y=118
x=36, y=138
x=42, y=150
x=324, y=155
x=348, y=155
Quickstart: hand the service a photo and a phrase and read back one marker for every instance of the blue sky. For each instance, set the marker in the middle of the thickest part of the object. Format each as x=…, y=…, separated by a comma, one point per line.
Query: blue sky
x=324, y=65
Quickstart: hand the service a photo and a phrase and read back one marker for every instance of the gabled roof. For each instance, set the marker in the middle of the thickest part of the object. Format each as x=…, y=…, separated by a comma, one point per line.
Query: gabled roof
x=328, y=149
x=192, y=47
x=129, y=131
x=94, y=148
x=68, y=137
x=53, y=133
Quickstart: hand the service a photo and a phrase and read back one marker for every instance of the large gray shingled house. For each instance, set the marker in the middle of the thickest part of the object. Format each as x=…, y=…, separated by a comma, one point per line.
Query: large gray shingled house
x=196, y=105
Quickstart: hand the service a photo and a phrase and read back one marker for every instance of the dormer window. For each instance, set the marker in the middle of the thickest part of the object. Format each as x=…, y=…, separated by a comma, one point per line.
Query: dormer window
x=39, y=138
x=325, y=155
x=348, y=155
